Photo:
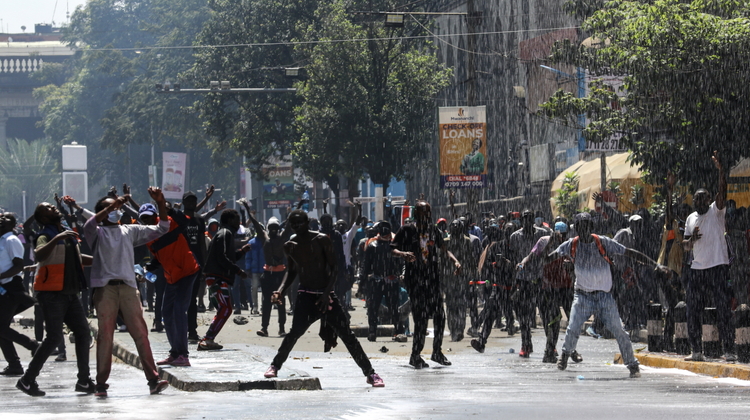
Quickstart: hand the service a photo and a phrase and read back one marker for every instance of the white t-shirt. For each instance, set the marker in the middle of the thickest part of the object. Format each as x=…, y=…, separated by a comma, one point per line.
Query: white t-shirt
x=711, y=249
x=592, y=270
x=10, y=249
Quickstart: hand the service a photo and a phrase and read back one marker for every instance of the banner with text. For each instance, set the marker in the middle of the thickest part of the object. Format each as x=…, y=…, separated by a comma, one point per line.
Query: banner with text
x=278, y=187
x=462, y=133
x=173, y=174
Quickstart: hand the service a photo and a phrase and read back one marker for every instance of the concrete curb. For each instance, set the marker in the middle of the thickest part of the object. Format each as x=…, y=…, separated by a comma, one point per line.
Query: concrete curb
x=715, y=369
x=294, y=384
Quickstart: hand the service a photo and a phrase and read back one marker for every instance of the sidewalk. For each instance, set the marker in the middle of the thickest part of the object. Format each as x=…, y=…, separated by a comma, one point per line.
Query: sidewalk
x=715, y=367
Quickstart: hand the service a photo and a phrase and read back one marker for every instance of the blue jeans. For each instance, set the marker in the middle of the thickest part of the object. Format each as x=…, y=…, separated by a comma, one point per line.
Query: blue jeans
x=174, y=310
x=603, y=305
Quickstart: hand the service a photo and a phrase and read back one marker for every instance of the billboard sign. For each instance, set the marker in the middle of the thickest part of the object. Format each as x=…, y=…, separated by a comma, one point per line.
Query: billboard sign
x=462, y=133
x=173, y=174
x=278, y=184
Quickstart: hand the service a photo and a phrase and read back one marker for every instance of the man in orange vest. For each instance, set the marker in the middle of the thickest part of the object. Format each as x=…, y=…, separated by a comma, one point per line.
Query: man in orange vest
x=58, y=281
x=172, y=253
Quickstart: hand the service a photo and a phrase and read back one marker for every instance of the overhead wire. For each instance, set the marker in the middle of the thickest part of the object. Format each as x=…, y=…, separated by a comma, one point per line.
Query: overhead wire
x=324, y=41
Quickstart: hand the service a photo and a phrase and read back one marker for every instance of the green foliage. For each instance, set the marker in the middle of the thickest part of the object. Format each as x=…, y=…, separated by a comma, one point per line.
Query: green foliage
x=27, y=167
x=636, y=195
x=614, y=187
x=685, y=66
x=367, y=106
x=567, y=196
x=105, y=98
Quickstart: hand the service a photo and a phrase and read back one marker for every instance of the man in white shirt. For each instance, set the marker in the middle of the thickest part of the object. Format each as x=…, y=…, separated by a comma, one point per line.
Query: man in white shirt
x=11, y=264
x=709, y=272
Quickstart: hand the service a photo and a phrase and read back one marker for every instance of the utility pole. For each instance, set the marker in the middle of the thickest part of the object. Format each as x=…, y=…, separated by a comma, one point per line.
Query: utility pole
x=472, y=194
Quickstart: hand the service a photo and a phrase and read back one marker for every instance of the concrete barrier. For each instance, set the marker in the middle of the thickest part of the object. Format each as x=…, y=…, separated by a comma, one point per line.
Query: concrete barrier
x=742, y=333
x=710, y=336
x=681, y=340
x=655, y=327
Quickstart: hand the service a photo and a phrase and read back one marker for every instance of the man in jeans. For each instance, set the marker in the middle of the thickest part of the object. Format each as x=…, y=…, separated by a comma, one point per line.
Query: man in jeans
x=709, y=271
x=11, y=264
x=113, y=280
x=172, y=253
x=590, y=255
x=58, y=280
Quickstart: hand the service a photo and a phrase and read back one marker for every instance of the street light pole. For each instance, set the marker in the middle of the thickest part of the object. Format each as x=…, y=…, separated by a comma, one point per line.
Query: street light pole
x=472, y=195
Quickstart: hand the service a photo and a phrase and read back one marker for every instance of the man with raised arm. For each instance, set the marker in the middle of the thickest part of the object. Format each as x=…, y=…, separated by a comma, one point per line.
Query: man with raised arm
x=58, y=280
x=310, y=255
x=590, y=254
x=709, y=272
x=114, y=284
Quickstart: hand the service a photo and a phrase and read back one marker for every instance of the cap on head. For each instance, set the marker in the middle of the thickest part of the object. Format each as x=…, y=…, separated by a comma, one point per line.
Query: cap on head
x=188, y=194
x=273, y=223
x=583, y=217
x=635, y=218
x=561, y=227
x=147, y=209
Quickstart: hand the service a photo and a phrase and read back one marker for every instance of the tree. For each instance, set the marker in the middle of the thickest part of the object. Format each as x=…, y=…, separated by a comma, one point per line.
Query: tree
x=257, y=125
x=27, y=167
x=685, y=66
x=368, y=106
x=567, y=196
x=107, y=99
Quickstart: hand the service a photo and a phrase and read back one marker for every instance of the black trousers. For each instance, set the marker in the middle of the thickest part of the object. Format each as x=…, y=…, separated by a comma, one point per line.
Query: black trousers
x=390, y=290
x=10, y=303
x=426, y=302
x=59, y=308
x=193, y=307
x=497, y=304
x=525, y=301
x=549, y=308
x=269, y=283
x=710, y=286
x=305, y=313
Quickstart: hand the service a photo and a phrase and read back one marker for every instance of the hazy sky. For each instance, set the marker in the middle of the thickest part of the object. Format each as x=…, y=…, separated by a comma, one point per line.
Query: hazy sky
x=17, y=13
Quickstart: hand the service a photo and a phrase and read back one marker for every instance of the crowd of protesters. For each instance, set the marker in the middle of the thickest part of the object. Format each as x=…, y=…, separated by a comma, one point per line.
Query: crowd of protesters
x=499, y=272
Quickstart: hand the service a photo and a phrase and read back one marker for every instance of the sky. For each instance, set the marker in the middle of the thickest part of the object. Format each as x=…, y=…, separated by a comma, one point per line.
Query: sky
x=17, y=13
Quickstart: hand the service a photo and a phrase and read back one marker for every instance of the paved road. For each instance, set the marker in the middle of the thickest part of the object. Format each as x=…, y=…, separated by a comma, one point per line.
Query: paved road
x=493, y=385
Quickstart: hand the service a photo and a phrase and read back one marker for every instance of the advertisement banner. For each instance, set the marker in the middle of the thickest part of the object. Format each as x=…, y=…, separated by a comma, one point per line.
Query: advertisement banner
x=173, y=174
x=462, y=132
x=278, y=186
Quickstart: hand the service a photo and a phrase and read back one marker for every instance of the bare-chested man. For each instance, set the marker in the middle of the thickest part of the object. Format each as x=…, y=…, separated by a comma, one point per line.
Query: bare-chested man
x=310, y=254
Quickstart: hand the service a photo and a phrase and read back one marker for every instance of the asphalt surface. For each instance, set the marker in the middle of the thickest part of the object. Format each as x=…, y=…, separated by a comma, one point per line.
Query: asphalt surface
x=495, y=384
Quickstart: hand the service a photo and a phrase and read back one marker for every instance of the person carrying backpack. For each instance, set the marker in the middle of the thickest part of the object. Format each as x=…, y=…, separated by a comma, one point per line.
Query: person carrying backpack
x=590, y=255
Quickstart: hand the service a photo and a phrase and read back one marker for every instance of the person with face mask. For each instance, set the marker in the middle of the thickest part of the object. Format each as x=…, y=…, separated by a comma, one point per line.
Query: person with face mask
x=272, y=240
x=383, y=271
x=311, y=256
x=708, y=279
x=113, y=280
